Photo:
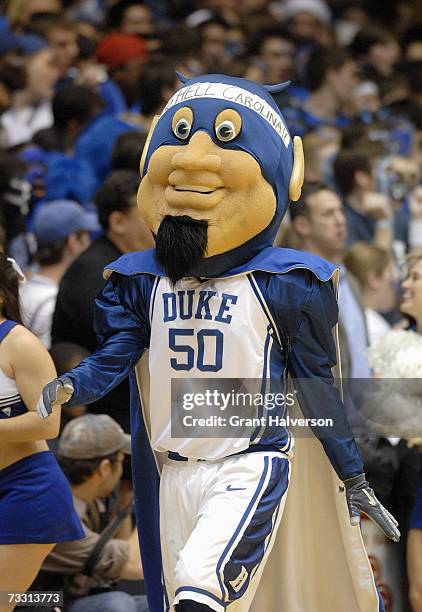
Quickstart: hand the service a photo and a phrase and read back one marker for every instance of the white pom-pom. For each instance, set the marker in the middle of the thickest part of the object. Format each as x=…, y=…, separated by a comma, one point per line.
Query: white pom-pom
x=397, y=355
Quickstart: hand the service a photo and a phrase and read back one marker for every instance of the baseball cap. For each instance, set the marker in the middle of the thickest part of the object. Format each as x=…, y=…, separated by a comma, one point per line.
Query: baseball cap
x=92, y=436
x=58, y=219
x=118, y=49
x=318, y=8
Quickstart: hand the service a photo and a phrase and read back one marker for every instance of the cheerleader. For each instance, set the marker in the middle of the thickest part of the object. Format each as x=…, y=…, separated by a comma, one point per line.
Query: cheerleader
x=36, y=508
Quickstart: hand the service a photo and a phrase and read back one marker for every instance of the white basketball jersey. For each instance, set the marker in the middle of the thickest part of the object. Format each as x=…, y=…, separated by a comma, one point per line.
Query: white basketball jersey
x=210, y=329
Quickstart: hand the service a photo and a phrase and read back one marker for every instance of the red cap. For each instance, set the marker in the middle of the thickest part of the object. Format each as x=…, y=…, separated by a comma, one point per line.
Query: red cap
x=118, y=49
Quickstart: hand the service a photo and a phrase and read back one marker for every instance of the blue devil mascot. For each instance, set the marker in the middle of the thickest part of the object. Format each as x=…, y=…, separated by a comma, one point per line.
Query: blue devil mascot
x=245, y=518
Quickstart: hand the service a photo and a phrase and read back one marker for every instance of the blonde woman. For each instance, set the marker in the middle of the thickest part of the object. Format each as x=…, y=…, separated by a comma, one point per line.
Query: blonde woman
x=397, y=359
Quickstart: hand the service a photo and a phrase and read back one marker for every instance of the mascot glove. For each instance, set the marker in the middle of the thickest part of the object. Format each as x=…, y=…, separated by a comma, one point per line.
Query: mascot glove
x=55, y=393
x=361, y=499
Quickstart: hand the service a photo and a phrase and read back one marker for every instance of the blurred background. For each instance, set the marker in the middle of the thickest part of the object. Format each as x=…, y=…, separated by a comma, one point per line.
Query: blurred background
x=80, y=82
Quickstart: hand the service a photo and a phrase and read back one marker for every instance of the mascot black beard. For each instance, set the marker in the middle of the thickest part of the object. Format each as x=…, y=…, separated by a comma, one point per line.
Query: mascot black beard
x=212, y=304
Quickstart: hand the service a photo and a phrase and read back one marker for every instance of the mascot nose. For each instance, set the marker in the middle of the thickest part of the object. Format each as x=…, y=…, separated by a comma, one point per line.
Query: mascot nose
x=196, y=155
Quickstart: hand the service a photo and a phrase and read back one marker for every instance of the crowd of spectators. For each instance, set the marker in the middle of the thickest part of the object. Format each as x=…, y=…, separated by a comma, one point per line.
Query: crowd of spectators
x=80, y=83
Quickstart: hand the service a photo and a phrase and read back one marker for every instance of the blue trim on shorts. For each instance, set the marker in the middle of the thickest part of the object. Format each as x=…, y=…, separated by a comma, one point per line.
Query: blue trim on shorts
x=254, y=448
x=241, y=523
x=251, y=548
x=166, y=599
x=201, y=592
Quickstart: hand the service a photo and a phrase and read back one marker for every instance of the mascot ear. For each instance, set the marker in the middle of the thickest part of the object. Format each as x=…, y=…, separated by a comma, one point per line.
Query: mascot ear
x=298, y=171
x=182, y=78
x=146, y=145
x=272, y=89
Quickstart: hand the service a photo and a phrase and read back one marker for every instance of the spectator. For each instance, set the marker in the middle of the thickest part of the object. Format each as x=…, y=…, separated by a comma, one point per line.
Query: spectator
x=157, y=83
x=183, y=44
x=91, y=452
x=12, y=70
x=366, y=100
x=20, y=12
x=395, y=214
x=305, y=18
x=396, y=406
x=373, y=268
x=74, y=107
x=411, y=44
x=369, y=214
x=213, y=53
x=15, y=193
x=75, y=56
x=30, y=109
x=330, y=76
x=71, y=171
x=61, y=35
x=412, y=306
x=378, y=52
x=273, y=49
x=131, y=17
x=124, y=231
x=255, y=15
x=62, y=230
x=127, y=151
x=228, y=10
x=94, y=146
x=319, y=149
x=352, y=17
x=319, y=221
x=124, y=56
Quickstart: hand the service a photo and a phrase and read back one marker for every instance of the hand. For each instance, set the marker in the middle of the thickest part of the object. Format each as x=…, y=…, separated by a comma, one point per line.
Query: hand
x=55, y=393
x=361, y=499
x=377, y=206
x=91, y=75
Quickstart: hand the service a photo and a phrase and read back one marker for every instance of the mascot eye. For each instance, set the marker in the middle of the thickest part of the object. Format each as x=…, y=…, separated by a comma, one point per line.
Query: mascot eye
x=228, y=124
x=182, y=129
x=225, y=131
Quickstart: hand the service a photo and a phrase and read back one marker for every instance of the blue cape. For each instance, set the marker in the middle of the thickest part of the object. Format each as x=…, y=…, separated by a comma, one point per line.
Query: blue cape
x=270, y=259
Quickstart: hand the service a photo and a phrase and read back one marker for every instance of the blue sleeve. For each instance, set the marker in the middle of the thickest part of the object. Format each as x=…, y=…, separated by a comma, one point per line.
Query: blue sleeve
x=312, y=312
x=113, y=97
x=122, y=328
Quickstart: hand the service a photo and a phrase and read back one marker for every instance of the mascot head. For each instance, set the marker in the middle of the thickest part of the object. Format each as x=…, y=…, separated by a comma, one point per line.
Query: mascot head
x=218, y=172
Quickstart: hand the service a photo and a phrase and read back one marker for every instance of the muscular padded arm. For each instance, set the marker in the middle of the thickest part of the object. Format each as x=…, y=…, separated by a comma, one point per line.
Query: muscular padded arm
x=311, y=357
x=123, y=333
x=306, y=312
x=311, y=307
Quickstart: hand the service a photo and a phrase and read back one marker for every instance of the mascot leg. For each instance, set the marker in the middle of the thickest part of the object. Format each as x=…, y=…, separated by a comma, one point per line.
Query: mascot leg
x=221, y=560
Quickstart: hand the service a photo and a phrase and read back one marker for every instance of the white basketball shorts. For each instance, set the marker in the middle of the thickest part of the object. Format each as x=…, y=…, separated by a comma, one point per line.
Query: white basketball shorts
x=218, y=521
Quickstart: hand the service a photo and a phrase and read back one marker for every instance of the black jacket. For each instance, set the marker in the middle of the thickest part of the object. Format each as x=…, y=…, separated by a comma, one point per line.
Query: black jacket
x=73, y=319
